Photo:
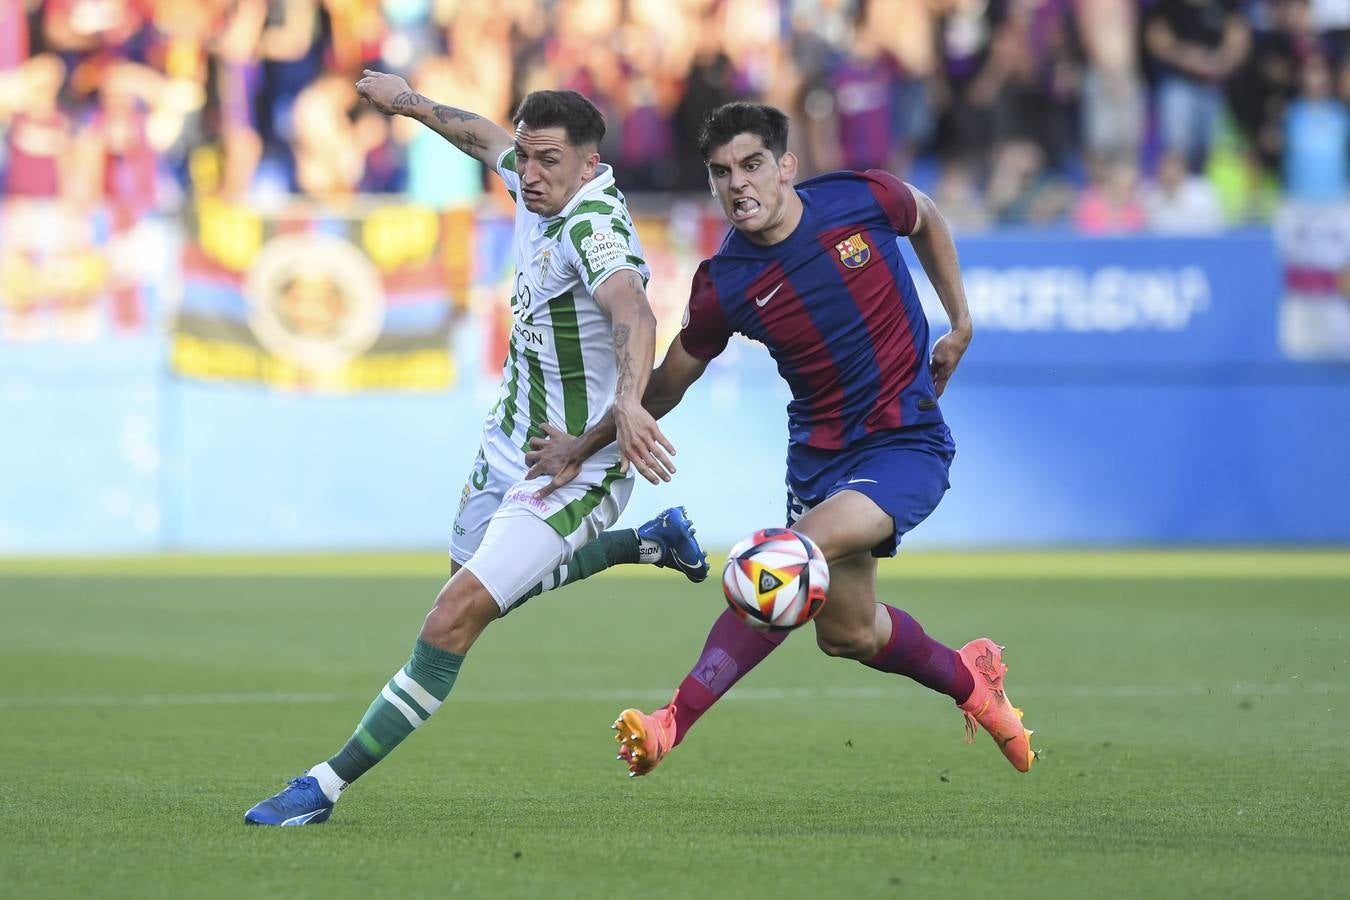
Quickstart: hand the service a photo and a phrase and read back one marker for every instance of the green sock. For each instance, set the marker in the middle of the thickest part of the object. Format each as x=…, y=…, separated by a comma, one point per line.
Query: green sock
x=610, y=549
x=411, y=696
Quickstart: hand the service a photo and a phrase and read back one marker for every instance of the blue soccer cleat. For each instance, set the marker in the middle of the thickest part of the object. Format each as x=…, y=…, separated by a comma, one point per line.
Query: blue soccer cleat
x=673, y=531
x=301, y=802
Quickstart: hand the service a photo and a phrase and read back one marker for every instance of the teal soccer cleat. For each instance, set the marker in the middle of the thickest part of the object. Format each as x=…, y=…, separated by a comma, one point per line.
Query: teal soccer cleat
x=673, y=531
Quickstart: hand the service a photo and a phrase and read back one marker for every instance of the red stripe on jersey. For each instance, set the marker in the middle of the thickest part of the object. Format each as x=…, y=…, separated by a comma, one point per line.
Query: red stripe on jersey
x=895, y=197
x=876, y=295
x=705, y=331
x=790, y=329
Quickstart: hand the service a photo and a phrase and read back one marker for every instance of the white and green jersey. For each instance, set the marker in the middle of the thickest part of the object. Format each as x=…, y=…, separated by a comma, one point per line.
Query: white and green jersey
x=560, y=365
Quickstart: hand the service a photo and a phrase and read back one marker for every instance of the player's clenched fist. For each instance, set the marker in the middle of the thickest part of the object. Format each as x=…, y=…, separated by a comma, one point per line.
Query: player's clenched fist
x=388, y=93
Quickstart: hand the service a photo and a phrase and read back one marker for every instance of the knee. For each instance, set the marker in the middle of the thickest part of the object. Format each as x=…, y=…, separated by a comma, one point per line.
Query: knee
x=457, y=619
x=849, y=643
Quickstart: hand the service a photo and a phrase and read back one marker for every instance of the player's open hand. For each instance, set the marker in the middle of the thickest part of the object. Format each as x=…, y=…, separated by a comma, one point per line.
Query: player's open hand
x=947, y=352
x=390, y=94
x=642, y=443
x=553, y=454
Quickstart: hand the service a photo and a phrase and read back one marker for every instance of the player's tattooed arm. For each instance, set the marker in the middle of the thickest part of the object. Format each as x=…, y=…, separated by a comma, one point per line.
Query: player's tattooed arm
x=623, y=362
x=932, y=241
x=560, y=455
x=480, y=138
x=633, y=325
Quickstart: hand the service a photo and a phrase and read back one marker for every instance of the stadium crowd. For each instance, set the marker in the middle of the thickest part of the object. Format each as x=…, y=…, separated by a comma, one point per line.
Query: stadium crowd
x=1110, y=115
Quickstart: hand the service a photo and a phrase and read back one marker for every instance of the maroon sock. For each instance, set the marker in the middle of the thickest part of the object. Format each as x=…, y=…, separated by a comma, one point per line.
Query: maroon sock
x=732, y=649
x=912, y=653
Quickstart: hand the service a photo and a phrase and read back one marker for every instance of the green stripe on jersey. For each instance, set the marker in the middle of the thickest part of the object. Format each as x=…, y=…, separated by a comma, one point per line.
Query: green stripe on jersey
x=509, y=160
x=562, y=311
x=617, y=224
x=603, y=207
x=509, y=407
x=579, y=233
x=566, y=520
x=553, y=229
x=613, y=192
x=538, y=400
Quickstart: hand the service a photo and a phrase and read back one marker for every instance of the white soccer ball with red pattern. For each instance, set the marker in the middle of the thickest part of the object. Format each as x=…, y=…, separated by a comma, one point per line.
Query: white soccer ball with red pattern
x=776, y=579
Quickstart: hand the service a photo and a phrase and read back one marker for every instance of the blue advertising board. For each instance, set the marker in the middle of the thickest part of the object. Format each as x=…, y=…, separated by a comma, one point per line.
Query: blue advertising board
x=1118, y=392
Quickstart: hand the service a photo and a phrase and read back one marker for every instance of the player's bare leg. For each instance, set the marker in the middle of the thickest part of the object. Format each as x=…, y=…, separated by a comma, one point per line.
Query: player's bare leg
x=854, y=625
x=463, y=609
x=516, y=551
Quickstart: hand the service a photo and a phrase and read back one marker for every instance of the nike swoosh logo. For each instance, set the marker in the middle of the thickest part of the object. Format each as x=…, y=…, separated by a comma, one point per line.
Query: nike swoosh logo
x=760, y=301
x=861, y=481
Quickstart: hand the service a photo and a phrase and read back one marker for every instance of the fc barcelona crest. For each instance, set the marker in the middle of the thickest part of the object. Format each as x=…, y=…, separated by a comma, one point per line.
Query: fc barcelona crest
x=853, y=251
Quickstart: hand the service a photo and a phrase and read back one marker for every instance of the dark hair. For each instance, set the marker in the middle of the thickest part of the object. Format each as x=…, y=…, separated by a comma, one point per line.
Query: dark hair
x=562, y=109
x=770, y=125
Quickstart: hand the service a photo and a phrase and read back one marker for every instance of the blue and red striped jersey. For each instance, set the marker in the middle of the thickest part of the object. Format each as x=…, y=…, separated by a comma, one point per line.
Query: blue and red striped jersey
x=836, y=307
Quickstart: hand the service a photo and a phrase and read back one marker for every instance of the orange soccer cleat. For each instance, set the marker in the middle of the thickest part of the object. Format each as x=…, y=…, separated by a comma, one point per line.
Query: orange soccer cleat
x=645, y=739
x=989, y=706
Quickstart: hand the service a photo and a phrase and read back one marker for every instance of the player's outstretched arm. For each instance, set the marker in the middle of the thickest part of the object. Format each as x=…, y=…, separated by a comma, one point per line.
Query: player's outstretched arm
x=932, y=241
x=640, y=440
x=561, y=455
x=481, y=138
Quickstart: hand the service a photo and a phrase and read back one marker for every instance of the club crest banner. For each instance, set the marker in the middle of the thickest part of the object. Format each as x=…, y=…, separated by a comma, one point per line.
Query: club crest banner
x=311, y=299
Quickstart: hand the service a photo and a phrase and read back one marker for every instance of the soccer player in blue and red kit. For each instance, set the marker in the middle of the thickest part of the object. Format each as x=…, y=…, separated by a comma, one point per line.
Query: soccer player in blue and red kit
x=814, y=272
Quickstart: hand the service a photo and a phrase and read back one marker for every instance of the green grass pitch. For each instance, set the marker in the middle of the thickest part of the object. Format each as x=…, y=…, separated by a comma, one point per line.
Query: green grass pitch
x=1192, y=710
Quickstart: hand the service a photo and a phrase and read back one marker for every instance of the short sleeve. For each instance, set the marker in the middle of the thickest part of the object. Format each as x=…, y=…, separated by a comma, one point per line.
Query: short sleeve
x=506, y=168
x=600, y=242
x=895, y=198
x=705, y=331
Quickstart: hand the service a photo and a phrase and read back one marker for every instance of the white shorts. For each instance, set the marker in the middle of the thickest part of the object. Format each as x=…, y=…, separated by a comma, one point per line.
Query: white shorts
x=511, y=539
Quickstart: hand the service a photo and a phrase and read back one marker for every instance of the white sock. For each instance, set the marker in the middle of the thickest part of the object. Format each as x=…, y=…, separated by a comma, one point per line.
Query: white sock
x=649, y=551
x=329, y=782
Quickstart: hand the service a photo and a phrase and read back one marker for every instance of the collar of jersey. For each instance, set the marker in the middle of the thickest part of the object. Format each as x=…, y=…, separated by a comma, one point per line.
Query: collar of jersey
x=604, y=177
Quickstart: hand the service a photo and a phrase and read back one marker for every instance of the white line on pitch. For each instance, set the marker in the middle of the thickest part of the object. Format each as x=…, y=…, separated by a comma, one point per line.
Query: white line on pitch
x=742, y=694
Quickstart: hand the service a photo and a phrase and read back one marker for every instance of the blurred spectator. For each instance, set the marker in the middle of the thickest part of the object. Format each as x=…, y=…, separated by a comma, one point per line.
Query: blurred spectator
x=1179, y=202
x=438, y=174
x=14, y=45
x=1023, y=189
x=1261, y=87
x=966, y=89
x=1034, y=71
x=1195, y=45
x=118, y=161
x=1032, y=74
x=1331, y=19
x=708, y=85
x=905, y=28
x=646, y=141
x=1113, y=93
x=1317, y=138
x=865, y=82
x=1001, y=106
x=39, y=136
x=1110, y=205
x=958, y=194
x=78, y=29
x=330, y=153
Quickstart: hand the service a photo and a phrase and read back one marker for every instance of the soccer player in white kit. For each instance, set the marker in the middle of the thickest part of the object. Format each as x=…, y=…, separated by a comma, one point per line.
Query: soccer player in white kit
x=582, y=345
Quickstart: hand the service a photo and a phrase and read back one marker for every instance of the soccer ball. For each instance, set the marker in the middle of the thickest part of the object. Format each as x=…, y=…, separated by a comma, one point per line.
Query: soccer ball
x=776, y=579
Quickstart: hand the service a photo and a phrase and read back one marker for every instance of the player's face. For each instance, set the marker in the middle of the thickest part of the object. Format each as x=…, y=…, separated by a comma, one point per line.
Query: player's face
x=755, y=189
x=551, y=170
